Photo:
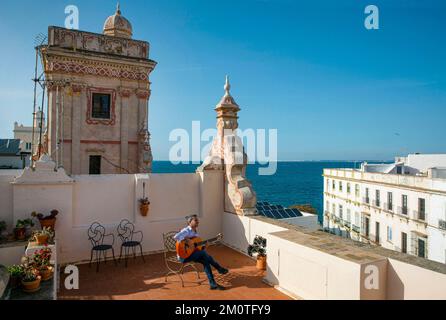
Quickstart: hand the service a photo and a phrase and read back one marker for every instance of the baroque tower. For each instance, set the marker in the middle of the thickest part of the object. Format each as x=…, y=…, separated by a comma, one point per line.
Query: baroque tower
x=98, y=92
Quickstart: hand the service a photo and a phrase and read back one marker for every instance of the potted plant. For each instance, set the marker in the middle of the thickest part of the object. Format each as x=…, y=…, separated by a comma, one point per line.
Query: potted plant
x=43, y=236
x=20, y=230
x=144, y=202
x=144, y=206
x=259, y=248
x=46, y=221
x=16, y=274
x=41, y=261
x=30, y=279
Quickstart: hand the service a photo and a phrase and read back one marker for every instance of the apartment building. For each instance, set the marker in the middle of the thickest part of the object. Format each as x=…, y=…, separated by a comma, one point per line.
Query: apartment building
x=400, y=206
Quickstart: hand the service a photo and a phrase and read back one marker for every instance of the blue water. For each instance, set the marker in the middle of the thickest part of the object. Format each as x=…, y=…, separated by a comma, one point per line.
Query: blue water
x=293, y=183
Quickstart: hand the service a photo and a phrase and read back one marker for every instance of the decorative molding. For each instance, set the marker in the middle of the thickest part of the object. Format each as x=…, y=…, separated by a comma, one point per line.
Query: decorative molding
x=100, y=142
x=143, y=94
x=94, y=42
x=125, y=92
x=96, y=69
x=228, y=154
x=93, y=121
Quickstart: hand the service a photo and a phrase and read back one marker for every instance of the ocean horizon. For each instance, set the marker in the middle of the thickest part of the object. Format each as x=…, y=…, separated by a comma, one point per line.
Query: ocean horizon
x=295, y=182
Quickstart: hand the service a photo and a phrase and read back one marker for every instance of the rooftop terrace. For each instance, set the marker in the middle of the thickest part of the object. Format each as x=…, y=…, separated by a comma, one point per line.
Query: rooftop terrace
x=146, y=281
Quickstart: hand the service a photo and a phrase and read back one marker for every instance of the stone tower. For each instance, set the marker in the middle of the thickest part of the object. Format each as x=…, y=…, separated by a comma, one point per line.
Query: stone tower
x=98, y=92
x=228, y=155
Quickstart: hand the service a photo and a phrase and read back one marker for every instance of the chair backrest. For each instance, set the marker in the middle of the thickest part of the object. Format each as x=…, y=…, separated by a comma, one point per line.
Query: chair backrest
x=126, y=229
x=169, y=241
x=96, y=234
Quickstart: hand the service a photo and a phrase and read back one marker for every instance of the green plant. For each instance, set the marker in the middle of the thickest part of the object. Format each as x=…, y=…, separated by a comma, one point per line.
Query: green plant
x=41, y=258
x=28, y=222
x=20, y=224
x=16, y=271
x=44, y=232
x=144, y=201
x=259, y=247
x=2, y=226
x=30, y=274
x=40, y=216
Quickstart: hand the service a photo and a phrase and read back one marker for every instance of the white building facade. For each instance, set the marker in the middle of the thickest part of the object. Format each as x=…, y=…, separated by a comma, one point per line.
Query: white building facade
x=399, y=206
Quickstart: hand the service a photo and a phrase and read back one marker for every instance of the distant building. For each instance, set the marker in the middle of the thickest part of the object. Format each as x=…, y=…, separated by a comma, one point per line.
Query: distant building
x=25, y=133
x=11, y=156
x=399, y=206
x=98, y=93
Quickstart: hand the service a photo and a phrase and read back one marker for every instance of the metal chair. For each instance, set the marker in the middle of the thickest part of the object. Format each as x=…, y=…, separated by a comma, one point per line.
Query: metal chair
x=175, y=266
x=96, y=235
x=126, y=232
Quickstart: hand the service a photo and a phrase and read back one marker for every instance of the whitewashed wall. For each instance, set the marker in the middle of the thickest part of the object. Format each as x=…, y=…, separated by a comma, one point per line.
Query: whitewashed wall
x=309, y=273
x=6, y=177
x=110, y=198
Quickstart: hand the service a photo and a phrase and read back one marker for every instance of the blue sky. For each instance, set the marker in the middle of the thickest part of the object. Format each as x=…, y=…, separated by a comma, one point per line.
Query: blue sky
x=333, y=89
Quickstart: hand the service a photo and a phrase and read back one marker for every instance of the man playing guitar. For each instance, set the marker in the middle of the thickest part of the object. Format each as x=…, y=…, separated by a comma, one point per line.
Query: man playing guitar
x=199, y=256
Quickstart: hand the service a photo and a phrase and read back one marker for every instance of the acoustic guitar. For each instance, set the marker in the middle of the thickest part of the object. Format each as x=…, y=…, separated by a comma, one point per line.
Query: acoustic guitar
x=186, y=247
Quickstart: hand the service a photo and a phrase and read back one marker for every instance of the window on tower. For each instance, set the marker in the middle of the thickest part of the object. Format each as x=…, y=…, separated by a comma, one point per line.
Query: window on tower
x=101, y=106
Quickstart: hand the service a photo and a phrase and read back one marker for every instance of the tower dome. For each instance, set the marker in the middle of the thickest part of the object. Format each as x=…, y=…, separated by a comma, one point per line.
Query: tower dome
x=118, y=26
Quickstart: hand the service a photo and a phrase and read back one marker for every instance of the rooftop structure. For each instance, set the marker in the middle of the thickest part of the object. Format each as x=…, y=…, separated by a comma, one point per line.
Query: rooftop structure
x=98, y=92
x=400, y=206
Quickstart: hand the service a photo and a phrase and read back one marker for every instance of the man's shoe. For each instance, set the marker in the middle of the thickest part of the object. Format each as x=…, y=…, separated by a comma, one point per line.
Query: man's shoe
x=223, y=271
x=217, y=287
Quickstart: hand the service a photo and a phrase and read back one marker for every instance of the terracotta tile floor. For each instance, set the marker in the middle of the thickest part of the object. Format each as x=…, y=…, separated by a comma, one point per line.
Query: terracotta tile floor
x=145, y=281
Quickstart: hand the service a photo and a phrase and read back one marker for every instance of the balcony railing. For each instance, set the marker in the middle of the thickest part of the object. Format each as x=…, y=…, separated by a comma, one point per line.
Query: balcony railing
x=366, y=200
x=376, y=203
x=402, y=211
x=419, y=215
x=356, y=229
x=388, y=206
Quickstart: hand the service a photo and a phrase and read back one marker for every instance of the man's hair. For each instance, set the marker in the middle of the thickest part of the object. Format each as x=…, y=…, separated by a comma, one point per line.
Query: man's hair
x=191, y=217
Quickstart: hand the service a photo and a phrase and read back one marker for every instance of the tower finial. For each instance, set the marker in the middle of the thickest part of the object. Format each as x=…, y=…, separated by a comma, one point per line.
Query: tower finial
x=227, y=85
x=118, y=8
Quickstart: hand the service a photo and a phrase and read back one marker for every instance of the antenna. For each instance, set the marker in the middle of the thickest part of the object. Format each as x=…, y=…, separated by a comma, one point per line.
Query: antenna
x=38, y=42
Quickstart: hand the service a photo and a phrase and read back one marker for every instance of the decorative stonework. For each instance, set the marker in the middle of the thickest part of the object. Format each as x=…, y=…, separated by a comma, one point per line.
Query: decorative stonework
x=227, y=153
x=143, y=94
x=118, y=26
x=145, y=155
x=125, y=92
x=93, y=121
x=88, y=41
x=44, y=171
x=86, y=67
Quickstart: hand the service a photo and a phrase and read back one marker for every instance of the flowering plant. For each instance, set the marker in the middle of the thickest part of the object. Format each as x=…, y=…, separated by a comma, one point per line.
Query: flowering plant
x=41, y=258
x=30, y=274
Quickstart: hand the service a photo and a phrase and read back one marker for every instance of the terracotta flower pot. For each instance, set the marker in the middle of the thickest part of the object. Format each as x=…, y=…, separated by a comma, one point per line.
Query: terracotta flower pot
x=48, y=223
x=261, y=262
x=31, y=286
x=46, y=273
x=41, y=239
x=20, y=233
x=144, y=209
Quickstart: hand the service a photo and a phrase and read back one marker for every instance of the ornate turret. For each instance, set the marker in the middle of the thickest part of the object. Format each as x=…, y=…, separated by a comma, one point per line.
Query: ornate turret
x=227, y=153
x=118, y=26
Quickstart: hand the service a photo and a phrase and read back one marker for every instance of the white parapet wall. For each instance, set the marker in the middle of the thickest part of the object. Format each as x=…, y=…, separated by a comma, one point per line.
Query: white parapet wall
x=315, y=265
x=108, y=199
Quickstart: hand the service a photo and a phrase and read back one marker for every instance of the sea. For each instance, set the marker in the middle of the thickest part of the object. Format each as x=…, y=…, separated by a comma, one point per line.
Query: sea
x=299, y=182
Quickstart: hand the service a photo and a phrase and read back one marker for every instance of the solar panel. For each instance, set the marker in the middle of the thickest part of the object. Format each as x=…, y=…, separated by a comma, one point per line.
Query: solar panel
x=276, y=211
x=284, y=213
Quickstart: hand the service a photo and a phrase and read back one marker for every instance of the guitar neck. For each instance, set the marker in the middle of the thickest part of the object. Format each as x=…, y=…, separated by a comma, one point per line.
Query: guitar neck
x=202, y=243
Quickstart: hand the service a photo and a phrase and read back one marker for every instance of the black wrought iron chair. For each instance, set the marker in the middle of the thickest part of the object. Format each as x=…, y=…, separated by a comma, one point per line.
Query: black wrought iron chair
x=97, y=235
x=126, y=232
x=173, y=265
